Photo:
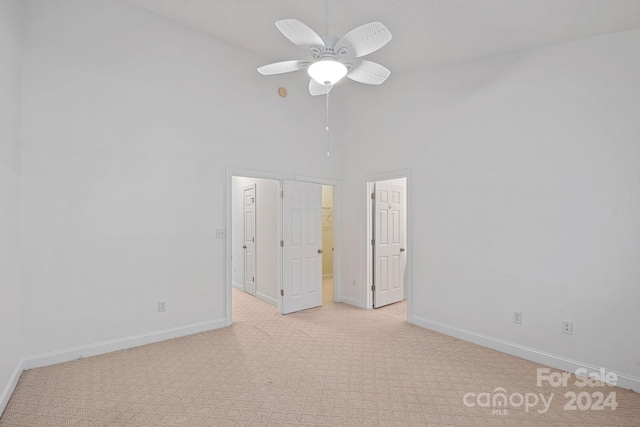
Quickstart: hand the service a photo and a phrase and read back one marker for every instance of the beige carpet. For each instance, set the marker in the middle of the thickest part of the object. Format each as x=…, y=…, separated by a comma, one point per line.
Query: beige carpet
x=397, y=310
x=330, y=366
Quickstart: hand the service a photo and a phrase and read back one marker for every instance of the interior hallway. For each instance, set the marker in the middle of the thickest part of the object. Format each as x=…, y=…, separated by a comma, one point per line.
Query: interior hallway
x=327, y=291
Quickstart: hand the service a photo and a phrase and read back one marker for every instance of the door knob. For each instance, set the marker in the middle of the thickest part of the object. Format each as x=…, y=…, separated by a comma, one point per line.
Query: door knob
x=319, y=251
x=244, y=247
x=401, y=249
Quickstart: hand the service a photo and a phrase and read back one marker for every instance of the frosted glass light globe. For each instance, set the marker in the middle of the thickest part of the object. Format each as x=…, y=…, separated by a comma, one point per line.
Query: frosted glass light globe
x=327, y=71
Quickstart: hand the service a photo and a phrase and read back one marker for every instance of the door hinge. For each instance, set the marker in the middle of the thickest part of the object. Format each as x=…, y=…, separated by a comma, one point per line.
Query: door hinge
x=253, y=279
x=373, y=196
x=282, y=194
x=373, y=288
x=373, y=242
x=282, y=243
x=281, y=292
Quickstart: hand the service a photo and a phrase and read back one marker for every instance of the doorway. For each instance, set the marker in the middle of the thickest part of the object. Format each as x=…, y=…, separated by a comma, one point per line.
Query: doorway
x=238, y=179
x=327, y=243
x=388, y=233
x=255, y=236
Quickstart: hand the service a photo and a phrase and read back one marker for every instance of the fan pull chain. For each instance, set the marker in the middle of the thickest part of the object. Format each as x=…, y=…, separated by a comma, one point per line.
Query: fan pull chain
x=327, y=127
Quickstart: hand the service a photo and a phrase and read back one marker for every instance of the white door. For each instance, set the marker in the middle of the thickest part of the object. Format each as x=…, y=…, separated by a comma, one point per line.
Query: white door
x=388, y=247
x=302, y=246
x=249, y=245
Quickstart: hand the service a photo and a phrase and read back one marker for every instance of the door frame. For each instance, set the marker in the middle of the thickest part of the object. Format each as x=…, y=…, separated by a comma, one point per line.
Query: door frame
x=369, y=180
x=228, y=266
x=337, y=230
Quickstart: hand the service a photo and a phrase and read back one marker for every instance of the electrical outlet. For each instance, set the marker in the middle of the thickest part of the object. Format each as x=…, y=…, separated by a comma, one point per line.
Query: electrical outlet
x=567, y=327
x=221, y=233
x=517, y=317
x=162, y=306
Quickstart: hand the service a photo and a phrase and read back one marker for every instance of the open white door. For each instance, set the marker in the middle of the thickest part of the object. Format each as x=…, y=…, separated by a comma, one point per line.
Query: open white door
x=388, y=245
x=249, y=245
x=302, y=246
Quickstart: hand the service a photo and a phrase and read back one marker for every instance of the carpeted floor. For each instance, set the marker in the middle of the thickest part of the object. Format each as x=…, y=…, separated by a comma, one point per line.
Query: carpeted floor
x=331, y=366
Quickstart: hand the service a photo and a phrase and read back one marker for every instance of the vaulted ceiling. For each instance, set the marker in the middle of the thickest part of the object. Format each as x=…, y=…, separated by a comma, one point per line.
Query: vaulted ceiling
x=426, y=33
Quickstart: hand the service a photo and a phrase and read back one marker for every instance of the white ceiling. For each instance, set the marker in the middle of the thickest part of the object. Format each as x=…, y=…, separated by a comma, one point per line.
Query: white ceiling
x=426, y=33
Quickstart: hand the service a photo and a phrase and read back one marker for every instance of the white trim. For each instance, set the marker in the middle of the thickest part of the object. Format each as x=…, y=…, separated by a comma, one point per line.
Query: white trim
x=237, y=286
x=95, y=349
x=316, y=180
x=531, y=354
x=11, y=386
x=267, y=299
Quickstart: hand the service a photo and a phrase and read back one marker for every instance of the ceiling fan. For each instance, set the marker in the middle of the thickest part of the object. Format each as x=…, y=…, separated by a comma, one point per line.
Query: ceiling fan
x=333, y=58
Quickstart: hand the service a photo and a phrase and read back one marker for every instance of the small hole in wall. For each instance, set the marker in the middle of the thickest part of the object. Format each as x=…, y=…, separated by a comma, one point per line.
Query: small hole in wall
x=282, y=92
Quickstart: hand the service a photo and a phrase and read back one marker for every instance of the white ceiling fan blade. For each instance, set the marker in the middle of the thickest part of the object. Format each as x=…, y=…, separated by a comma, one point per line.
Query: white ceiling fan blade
x=370, y=73
x=299, y=33
x=283, y=67
x=316, y=88
x=363, y=40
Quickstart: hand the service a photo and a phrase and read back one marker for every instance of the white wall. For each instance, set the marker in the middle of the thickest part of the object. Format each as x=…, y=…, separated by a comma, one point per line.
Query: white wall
x=10, y=286
x=129, y=123
x=267, y=238
x=525, y=183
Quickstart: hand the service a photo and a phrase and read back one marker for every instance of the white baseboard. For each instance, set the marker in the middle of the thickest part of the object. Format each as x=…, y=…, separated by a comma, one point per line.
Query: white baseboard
x=238, y=286
x=531, y=354
x=353, y=302
x=69, y=354
x=10, y=387
x=267, y=299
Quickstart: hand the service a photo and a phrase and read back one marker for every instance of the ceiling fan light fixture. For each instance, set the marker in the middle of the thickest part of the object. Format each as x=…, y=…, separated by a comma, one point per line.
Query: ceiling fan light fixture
x=327, y=71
